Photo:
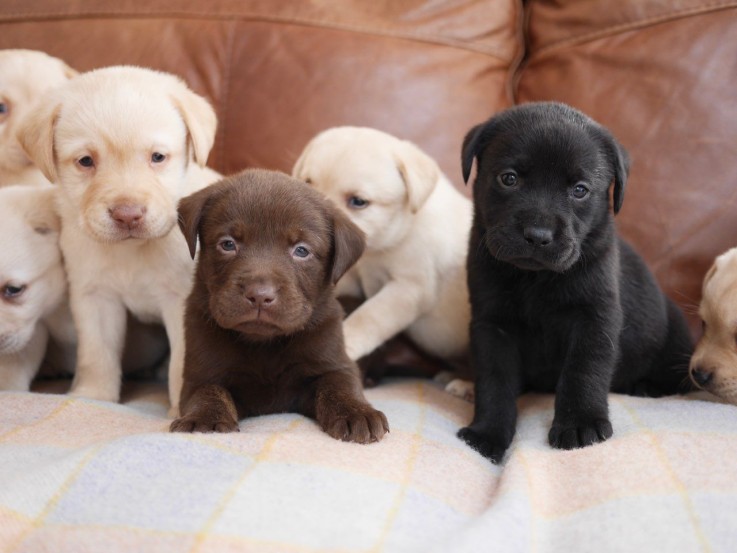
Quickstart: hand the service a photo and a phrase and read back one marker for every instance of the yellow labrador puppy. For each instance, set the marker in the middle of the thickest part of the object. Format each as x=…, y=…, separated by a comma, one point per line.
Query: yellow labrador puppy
x=124, y=144
x=24, y=76
x=33, y=306
x=413, y=272
x=714, y=362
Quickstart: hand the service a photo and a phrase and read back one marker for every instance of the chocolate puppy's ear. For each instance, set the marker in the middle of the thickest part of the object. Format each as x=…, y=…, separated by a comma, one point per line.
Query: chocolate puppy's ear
x=619, y=160
x=348, y=244
x=473, y=143
x=190, y=211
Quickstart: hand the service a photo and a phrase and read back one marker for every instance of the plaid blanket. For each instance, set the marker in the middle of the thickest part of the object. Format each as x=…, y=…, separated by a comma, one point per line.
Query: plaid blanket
x=85, y=476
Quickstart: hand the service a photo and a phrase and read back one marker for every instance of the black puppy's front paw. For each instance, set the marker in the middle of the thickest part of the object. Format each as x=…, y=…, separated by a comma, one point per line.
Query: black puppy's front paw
x=491, y=444
x=580, y=433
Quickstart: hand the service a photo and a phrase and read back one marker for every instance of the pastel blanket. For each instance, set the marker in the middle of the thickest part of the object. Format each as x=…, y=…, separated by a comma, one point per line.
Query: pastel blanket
x=84, y=476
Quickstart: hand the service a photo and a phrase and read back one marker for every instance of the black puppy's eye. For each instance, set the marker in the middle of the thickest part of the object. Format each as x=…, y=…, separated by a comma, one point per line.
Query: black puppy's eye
x=508, y=179
x=227, y=245
x=580, y=191
x=301, y=251
x=86, y=162
x=156, y=157
x=354, y=202
x=11, y=291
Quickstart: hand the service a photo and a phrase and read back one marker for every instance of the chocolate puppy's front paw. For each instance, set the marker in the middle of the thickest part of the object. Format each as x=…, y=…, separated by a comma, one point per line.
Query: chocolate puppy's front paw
x=580, y=433
x=362, y=426
x=492, y=444
x=204, y=423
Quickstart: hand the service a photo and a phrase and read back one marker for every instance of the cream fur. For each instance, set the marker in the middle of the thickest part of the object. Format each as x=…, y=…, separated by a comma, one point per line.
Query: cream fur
x=24, y=77
x=413, y=273
x=120, y=116
x=30, y=257
x=716, y=351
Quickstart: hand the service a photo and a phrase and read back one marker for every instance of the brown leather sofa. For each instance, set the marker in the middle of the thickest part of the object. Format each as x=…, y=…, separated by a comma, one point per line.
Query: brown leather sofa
x=660, y=74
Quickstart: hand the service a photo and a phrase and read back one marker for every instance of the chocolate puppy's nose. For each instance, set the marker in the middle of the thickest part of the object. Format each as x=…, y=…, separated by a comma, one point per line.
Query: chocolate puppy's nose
x=538, y=236
x=701, y=377
x=261, y=295
x=127, y=215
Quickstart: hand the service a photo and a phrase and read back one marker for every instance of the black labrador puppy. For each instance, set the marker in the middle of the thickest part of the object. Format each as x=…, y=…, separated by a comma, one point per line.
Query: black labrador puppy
x=559, y=302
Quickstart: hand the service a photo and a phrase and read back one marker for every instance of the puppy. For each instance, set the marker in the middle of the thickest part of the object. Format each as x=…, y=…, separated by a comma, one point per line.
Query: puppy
x=263, y=325
x=33, y=307
x=559, y=302
x=24, y=76
x=714, y=363
x=417, y=224
x=124, y=144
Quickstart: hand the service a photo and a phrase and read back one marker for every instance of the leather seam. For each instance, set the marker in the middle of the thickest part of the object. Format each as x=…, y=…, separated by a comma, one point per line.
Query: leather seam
x=377, y=31
x=631, y=25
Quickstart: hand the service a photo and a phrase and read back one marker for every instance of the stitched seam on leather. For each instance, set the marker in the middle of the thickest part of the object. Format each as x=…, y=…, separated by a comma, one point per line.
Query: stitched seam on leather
x=224, y=101
x=377, y=31
x=631, y=25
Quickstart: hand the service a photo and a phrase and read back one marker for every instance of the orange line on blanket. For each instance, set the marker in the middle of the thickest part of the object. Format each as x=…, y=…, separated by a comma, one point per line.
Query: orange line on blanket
x=261, y=456
x=63, y=405
x=411, y=460
x=39, y=520
x=682, y=490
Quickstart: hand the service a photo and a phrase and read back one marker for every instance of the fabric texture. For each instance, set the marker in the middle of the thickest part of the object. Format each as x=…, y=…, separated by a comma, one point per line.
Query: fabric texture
x=86, y=476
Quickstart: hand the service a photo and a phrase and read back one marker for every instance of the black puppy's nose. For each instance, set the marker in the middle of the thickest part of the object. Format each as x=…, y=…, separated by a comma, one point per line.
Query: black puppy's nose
x=261, y=295
x=701, y=376
x=538, y=236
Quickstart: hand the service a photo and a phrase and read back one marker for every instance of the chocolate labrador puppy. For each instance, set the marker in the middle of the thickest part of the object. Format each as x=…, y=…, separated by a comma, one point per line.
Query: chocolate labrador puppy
x=560, y=303
x=263, y=327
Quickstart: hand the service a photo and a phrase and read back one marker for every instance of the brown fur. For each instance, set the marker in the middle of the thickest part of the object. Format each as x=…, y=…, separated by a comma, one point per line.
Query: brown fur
x=244, y=358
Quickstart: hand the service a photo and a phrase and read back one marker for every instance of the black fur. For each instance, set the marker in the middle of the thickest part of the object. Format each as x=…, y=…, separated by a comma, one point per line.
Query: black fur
x=559, y=302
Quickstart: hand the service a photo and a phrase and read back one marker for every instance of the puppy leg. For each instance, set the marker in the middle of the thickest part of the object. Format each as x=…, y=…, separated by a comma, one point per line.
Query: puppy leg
x=380, y=317
x=338, y=405
x=174, y=322
x=209, y=408
x=495, y=356
x=100, y=322
x=18, y=369
x=581, y=400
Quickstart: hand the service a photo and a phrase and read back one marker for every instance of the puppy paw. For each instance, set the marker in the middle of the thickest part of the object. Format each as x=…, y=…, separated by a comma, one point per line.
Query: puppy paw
x=579, y=433
x=204, y=423
x=492, y=445
x=173, y=412
x=362, y=426
x=463, y=389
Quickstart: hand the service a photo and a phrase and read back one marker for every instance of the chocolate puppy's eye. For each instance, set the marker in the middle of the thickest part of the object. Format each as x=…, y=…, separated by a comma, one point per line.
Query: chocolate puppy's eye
x=580, y=191
x=354, y=202
x=157, y=157
x=86, y=162
x=508, y=179
x=11, y=291
x=227, y=245
x=301, y=251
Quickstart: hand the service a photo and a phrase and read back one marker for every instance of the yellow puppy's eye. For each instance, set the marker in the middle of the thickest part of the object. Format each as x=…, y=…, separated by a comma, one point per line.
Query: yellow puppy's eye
x=86, y=162
x=157, y=157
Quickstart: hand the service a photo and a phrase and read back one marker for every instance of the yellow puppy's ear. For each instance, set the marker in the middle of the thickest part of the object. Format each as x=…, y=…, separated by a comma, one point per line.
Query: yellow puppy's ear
x=419, y=172
x=43, y=217
x=200, y=119
x=299, y=166
x=36, y=133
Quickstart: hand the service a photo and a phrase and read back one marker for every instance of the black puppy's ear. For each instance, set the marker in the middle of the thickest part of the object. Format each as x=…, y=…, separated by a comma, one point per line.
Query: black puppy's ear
x=620, y=161
x=190, y=211
x=348, y=244
x=471, y=145
x=474, y=142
